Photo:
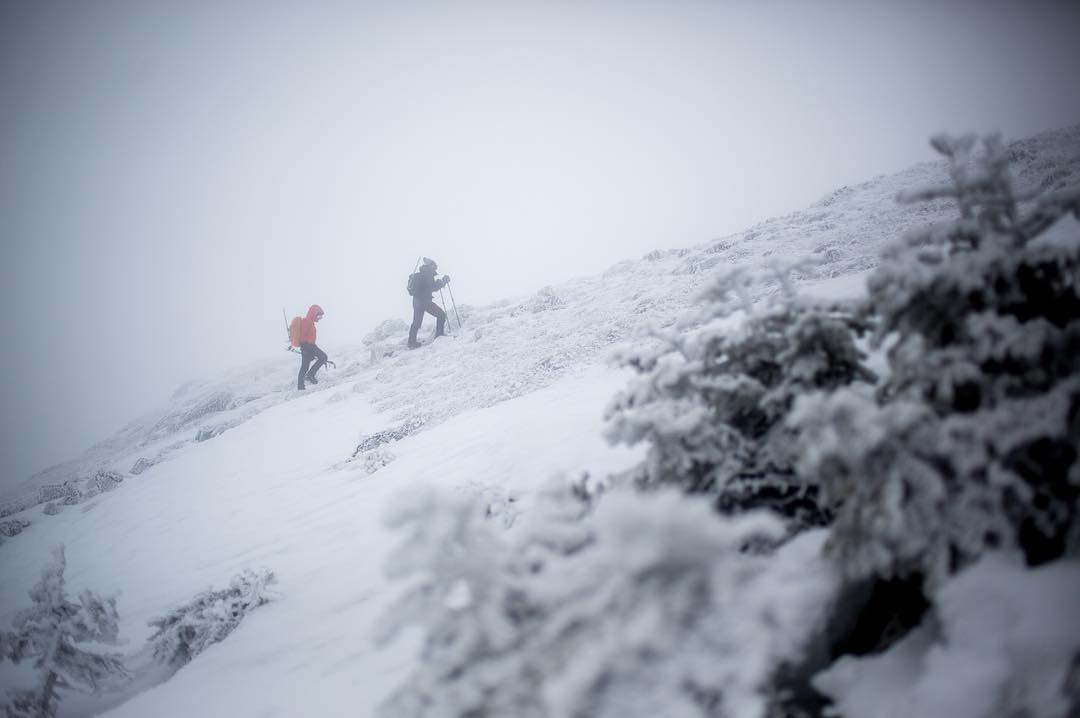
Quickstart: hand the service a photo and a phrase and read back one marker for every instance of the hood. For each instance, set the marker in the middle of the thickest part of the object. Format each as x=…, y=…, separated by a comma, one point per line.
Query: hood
x=314, y=311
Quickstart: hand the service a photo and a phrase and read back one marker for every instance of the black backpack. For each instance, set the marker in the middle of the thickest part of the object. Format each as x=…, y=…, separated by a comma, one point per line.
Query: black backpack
x=414, y=278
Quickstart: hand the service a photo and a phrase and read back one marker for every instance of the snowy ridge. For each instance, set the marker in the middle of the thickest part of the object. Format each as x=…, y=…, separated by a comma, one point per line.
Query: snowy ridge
x=246, y=472
x=513, y=347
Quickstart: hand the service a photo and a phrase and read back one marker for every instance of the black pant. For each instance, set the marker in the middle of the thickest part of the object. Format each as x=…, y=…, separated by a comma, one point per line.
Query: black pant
x=307, y=353
x=419, y=307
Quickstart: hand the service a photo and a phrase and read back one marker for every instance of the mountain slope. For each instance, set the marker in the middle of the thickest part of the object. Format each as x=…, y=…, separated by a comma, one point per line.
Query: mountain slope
x=247, y=472
x=513, y=347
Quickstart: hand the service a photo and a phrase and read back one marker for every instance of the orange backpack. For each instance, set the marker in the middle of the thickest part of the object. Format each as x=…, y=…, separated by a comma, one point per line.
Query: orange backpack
x=294, y=332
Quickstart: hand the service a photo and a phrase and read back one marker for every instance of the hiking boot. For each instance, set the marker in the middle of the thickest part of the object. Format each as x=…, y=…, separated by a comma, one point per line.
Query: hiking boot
x=414, y=345
x=312, y=379
x=299, y=387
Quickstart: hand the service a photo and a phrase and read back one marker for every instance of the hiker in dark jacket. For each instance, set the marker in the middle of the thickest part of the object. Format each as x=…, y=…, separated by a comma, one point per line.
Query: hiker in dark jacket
x=308, y=349
x=423, y=285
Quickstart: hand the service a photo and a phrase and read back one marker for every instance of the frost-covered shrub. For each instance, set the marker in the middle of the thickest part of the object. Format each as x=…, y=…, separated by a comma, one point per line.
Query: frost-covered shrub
x=698, y=265
x=712, y=403
x=141, y=465
x=193, y=411
x=57, y=496
x=648, y=607
x=59, y=636
x=67, y=493
x=373, y=441
x=974, y=439
x=71, y=492
x=188, y=630
x=544, y=300
x=102, y=481
x=12, y=527
x=375, y=459
x=385, y=330
x=205, y=433
x=17, y=504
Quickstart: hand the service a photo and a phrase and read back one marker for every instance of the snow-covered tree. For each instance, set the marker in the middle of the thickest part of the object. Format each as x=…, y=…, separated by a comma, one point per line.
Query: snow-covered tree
x=63, y=638
x=647, y=606
x=712, y=403
x=188, y=630
x=646, y=601
x=973, y=442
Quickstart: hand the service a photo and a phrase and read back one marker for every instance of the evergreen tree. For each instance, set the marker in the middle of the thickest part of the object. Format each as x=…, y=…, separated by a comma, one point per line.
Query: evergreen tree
x=643, y=607
x=53, y=633
x=712, y=403
x=972, y=443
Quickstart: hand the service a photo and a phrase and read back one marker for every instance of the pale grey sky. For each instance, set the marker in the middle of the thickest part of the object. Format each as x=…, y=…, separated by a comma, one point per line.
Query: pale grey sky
x=172, y=174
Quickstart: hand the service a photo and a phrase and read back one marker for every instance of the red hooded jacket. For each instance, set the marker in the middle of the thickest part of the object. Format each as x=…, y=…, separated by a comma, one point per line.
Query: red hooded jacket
x=307, y=325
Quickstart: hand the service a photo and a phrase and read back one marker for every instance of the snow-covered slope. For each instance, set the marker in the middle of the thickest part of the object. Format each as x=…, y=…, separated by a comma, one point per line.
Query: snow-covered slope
x=246, y=472
x=265, y=495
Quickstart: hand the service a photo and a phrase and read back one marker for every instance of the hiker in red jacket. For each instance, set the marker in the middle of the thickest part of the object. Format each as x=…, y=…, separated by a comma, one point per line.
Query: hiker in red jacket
x=308, y=349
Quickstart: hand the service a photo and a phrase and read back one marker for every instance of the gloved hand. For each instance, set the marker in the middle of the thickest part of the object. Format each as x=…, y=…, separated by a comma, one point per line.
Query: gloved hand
x=446, y=279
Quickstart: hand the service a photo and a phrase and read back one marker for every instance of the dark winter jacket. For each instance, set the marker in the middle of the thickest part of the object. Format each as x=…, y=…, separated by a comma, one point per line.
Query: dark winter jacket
x=425, y=285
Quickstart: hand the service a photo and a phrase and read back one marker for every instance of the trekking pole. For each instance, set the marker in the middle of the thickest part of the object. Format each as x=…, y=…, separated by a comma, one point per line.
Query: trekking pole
x=454, y=304
x=442, y=301
x=288, y=346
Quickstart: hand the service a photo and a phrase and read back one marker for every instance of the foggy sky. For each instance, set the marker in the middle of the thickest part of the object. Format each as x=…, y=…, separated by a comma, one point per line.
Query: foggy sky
x=173, y=174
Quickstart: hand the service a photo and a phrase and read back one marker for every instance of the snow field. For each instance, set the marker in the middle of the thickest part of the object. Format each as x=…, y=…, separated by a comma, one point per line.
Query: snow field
x=264, y=494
